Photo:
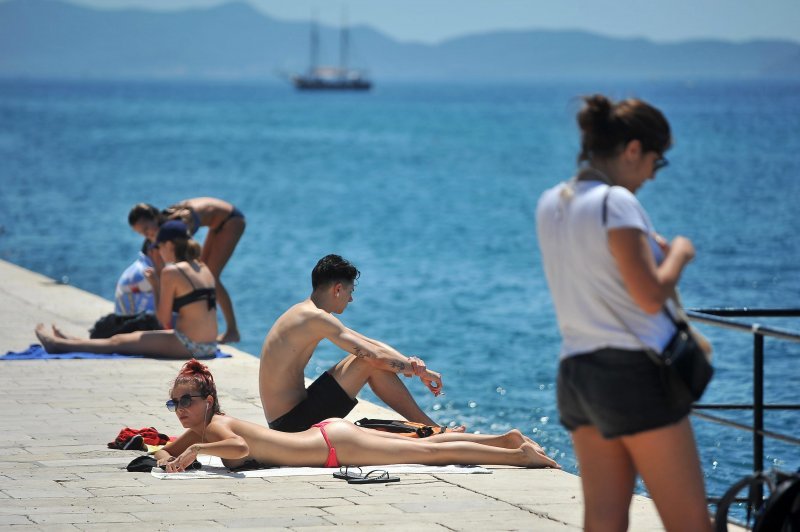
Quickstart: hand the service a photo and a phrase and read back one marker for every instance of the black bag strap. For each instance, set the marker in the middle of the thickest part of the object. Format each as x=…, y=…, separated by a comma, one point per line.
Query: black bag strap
x=397, y=426
x=392, y=425
x=187, y=276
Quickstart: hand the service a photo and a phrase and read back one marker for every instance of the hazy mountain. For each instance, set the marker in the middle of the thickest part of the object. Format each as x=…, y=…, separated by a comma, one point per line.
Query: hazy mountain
x=48, y=38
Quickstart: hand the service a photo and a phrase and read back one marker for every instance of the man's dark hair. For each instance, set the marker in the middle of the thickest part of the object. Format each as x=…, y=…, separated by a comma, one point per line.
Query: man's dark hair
x=144, y=211
x=333, y=269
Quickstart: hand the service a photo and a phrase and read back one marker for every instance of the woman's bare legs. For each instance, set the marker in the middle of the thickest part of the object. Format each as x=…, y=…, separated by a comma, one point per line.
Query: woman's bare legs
x=607, y=477
x=355, y=447
x=512, y=439
x=217, y=250
x=667, y=460
x=60, y=334
x=160, y=343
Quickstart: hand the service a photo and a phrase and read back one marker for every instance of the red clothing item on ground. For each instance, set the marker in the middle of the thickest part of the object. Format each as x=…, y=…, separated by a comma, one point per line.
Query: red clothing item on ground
x=149, y=435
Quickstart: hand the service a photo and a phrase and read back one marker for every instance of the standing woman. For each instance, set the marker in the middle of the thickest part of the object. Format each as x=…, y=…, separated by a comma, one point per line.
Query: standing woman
x=610, y=276
x=225, y=225
x=185, y=286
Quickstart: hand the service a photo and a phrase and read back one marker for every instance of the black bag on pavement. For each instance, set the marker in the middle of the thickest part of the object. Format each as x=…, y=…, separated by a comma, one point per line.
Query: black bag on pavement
x=112, y=324
x=780, y=512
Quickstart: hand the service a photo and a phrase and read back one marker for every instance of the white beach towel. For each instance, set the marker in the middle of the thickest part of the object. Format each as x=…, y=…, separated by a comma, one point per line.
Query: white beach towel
x=213, y=468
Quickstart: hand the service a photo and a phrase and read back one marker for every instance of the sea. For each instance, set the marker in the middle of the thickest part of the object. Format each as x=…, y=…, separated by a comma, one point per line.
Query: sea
x=430, y=189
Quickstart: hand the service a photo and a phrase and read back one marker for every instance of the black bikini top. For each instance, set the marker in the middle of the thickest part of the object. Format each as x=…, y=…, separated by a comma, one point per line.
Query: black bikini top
x=198, y=294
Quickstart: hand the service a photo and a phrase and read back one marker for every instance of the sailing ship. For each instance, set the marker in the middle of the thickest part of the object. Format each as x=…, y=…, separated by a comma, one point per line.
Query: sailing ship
x=331, y=77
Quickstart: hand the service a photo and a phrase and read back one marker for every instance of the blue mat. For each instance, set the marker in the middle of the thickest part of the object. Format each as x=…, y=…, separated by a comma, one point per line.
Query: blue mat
x=37, y=352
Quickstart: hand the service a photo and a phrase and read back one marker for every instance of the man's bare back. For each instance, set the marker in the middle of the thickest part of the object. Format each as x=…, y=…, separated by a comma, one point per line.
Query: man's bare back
x=290, y=343
x=286, y=351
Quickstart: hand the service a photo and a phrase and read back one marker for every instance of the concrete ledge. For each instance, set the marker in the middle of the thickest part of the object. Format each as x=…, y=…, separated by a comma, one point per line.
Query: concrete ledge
x=56, y=470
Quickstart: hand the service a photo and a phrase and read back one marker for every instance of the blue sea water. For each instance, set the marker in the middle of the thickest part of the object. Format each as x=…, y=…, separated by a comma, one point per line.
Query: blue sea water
x=430, y=190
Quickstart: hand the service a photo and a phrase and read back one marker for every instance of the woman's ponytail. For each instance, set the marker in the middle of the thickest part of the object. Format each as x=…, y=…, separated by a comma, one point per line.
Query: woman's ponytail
x=606, y=127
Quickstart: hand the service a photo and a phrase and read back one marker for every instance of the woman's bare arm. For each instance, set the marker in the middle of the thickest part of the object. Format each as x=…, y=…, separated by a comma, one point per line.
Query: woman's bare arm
x=223, y=442
x=648, y=285
x=174, y=448
x=166, y=295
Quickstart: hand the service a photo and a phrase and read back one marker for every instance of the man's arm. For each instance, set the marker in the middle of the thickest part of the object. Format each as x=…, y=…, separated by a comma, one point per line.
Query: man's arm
x=379, y=354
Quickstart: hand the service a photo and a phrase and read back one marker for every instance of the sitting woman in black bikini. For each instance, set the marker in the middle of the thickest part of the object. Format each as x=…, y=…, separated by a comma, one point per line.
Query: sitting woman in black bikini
x=226, y=225
x=185, y=286
x=193, y=397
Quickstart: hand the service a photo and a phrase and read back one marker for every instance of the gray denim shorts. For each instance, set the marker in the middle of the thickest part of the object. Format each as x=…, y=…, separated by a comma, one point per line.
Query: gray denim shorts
x=620, y=392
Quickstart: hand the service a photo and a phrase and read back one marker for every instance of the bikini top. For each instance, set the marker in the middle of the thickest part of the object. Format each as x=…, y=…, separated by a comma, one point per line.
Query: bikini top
x=198, y=294
x=193, y=223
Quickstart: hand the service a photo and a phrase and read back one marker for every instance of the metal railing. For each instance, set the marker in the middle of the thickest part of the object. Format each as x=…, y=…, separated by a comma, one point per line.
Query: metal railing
x=720, y=317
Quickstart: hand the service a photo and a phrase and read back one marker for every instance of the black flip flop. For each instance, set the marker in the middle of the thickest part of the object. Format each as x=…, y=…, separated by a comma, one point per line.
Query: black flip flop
x=349, y=472
x=376, y=476
x=136, y=443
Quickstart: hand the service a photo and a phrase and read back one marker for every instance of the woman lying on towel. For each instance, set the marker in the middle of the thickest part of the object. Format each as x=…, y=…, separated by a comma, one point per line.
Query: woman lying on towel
x=185, y=286
x=193, y=397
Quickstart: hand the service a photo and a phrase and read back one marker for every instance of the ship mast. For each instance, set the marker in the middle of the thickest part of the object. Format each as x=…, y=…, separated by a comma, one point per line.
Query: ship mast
x=344, y=45
x=314, y=52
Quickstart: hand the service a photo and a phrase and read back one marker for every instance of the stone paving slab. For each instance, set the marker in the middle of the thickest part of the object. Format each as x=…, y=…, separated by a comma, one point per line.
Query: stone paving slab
x=58, y=474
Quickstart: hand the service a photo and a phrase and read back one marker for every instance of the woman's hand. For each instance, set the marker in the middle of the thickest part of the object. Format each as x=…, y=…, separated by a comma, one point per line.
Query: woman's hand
x=164, y=461
x=680, y=244
x=683, y=247
x=184, y=460
x=662, y=242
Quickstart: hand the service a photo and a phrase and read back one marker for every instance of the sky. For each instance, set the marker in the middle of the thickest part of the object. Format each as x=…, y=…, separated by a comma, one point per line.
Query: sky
x=432, y=21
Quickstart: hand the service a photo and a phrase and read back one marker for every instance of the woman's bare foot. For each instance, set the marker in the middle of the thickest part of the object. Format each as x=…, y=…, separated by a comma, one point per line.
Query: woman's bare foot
x=457, y=428
x=513, y=439
x=230, y=337
x=58, y=334
x=537, y=458
x=46, y=339
x=528, y=440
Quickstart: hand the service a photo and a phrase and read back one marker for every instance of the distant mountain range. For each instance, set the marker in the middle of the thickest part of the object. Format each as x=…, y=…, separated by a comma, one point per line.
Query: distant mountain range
x=53, y=39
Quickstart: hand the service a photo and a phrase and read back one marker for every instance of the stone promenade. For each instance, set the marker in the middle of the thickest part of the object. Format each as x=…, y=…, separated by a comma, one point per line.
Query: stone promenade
x=56, y=472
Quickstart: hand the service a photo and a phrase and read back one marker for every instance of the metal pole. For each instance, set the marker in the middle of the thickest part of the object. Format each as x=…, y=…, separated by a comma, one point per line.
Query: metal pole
x=758, y=411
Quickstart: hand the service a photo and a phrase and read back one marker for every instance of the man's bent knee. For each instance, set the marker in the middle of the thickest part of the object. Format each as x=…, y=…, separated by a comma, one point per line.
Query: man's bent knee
x=352, y=364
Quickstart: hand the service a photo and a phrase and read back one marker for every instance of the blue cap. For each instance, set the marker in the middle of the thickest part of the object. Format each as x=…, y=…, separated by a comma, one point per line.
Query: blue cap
x=171, y=230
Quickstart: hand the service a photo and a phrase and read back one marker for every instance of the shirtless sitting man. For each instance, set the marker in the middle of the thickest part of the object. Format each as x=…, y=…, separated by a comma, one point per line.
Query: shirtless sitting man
x=288, y=406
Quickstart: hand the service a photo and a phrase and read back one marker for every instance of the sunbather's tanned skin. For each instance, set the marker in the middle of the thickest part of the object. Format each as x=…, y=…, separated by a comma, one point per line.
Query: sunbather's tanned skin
x=194, y=399
x=196, y=321
x=290, y=344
